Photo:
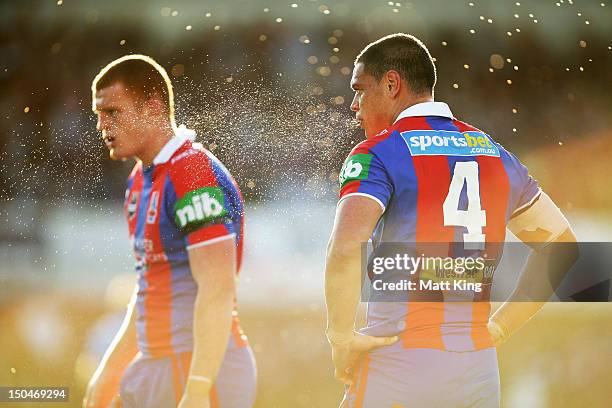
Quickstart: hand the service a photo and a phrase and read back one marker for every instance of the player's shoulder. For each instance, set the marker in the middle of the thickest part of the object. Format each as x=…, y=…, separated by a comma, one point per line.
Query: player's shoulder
x=190, y=157
x=366, y=146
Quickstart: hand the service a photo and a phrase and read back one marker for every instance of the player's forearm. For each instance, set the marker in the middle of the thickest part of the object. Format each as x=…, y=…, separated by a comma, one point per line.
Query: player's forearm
x=104, y=384
x=342, y=287
x=544, y=271
x=123, y=347
x=211, y=330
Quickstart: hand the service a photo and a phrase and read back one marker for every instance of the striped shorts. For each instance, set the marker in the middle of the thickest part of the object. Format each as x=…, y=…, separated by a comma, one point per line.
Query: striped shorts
x=396, y=377
x=159, y=382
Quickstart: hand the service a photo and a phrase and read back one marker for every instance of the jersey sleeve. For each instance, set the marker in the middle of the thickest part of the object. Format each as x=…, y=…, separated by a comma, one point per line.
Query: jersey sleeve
x=364, y=173
x=199, y=207
x=525, y=190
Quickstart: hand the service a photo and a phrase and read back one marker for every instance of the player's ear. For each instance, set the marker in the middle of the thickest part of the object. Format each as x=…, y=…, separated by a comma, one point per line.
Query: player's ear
x=153, y=106
x=393, y=83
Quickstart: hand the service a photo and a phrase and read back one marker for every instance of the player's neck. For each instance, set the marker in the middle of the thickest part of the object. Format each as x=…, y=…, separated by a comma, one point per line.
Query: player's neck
x=411, y=101
x=157, y=140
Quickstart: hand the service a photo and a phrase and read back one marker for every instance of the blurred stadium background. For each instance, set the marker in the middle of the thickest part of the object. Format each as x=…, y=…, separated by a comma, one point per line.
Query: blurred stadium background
x=265, y=84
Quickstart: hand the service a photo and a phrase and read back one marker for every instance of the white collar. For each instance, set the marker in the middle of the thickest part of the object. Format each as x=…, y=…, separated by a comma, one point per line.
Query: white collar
x=426, y=109
x=181, y=135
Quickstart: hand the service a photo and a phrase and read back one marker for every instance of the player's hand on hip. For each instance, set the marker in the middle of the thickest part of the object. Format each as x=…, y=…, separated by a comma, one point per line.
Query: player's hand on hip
x=194, y=401
x=498, y=332
x=346, y=353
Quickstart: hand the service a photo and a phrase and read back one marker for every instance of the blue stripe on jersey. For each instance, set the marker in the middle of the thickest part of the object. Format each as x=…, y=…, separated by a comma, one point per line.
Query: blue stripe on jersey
x=400, y=226
x=522, y=187
x=141, y=217
x=231, y=196
x=184, y=287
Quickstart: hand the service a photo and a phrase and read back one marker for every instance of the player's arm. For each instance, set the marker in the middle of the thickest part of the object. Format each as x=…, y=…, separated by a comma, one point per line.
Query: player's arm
x=356, y=217
x=213, y=267
x=544, y=228
x=104, y=384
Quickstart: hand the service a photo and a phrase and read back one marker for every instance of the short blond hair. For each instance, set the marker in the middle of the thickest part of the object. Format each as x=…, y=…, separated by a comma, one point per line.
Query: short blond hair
x=140, y=73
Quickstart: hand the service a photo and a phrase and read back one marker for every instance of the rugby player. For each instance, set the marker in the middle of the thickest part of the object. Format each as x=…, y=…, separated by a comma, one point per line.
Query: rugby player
x=186, y=222
x=422, y=176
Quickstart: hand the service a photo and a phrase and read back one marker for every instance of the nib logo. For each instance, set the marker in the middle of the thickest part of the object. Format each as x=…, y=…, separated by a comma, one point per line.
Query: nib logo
x=356, y=167
x=199, y=207
x=350, y=170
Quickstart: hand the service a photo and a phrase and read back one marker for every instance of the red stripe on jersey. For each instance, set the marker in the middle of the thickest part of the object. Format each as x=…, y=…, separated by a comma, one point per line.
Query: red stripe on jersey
x=349, y=188
x=158, y=275
x=433, y=181
x=207, y=233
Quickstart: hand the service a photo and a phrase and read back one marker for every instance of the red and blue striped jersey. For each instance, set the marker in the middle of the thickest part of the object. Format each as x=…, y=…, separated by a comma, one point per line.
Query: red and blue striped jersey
x=439, y=181
x=185, y=199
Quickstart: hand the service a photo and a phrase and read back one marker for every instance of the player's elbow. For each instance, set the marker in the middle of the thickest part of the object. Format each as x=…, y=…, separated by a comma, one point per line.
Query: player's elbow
x=339, y=250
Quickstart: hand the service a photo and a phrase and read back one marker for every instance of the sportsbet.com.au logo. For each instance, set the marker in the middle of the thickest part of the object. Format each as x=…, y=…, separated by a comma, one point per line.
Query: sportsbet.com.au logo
x=450, y=143
x=199, y=207
x=356, y=167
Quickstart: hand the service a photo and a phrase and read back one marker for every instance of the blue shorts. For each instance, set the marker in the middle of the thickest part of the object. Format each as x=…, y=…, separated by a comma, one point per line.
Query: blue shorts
x=159, y=382
x=395, y=377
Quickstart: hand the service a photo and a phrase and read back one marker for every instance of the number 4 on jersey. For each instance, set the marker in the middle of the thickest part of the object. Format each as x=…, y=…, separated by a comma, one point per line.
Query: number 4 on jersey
x=474, y=218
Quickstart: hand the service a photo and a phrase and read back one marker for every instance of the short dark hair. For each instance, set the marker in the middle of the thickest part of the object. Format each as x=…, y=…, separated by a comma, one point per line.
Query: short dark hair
x=403, y=53
x=141, y=74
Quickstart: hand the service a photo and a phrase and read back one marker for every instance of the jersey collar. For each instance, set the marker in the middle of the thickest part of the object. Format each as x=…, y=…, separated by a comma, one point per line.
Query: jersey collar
x=426, y=109
x=181, y=135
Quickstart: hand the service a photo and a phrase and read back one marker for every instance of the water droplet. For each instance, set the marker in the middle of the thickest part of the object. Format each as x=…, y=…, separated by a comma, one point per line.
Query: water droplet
x=456, y=86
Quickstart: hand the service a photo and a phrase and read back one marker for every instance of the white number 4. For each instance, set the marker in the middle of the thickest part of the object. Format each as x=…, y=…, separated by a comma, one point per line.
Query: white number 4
x=474, y=218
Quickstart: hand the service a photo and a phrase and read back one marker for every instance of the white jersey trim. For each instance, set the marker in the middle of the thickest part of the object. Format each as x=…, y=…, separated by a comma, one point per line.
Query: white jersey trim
x=426, y=109
x=181, y=135
x=211, y=241
x=364, y=195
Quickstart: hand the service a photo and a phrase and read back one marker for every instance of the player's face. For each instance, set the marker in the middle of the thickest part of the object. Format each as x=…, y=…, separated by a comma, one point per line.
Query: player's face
x=120, y=121
x=369, y=103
